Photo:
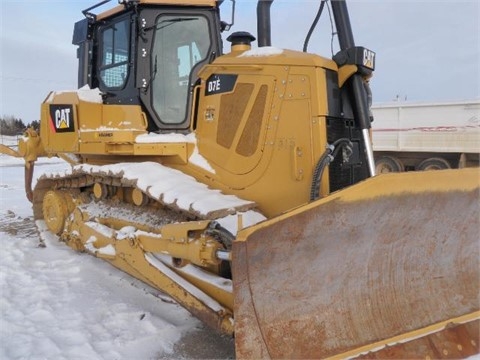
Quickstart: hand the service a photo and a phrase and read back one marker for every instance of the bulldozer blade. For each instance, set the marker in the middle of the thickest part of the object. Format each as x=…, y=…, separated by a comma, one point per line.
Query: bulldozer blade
x=388, y=268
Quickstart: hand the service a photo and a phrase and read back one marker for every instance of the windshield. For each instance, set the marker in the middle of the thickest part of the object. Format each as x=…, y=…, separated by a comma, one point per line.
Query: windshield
x=180, y=42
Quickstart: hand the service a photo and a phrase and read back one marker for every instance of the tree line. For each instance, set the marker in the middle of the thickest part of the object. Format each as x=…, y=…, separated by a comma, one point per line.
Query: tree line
x=10, y=125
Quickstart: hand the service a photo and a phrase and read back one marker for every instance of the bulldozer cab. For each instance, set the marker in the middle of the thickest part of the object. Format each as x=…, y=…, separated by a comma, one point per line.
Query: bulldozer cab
x=149, y=56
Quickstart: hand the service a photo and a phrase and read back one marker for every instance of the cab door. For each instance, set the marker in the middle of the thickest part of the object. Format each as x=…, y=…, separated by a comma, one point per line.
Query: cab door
x=174, y=45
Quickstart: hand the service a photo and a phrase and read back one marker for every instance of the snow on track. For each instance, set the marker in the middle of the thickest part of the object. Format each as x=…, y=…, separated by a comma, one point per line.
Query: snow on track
x=176, y=190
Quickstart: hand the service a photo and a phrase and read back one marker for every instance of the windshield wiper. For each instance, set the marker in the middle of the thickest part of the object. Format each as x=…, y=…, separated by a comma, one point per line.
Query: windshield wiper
x=152, y=77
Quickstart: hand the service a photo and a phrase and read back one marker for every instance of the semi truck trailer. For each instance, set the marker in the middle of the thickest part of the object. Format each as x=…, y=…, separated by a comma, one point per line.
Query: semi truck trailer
x=422, y=136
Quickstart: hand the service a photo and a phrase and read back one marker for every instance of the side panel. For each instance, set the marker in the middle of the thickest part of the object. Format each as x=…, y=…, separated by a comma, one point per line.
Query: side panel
x=264, y=135
x=77, y=122
x=233, y=128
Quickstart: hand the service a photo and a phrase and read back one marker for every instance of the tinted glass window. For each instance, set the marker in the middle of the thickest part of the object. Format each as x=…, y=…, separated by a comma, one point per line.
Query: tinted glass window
x=180, y=42
x=114, y=62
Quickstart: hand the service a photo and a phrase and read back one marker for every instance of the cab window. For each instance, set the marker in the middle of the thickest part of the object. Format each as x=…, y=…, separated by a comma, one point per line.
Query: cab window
x=114, y=54
x=180, y=42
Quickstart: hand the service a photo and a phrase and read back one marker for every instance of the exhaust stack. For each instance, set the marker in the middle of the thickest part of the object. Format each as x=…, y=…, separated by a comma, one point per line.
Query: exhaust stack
x=263, y=23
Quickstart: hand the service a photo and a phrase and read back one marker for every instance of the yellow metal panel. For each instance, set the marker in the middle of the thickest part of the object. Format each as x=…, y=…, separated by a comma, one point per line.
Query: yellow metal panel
x=228, y=158
x=109, y=136
x=179, y=150
x=117, y=9
x=126, y=117
x=345, y=72
x=286, y=57
x=294, y=116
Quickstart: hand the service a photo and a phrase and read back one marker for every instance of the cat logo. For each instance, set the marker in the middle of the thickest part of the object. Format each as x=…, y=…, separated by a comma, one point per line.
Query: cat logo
x=61, y=118
x=369, y=59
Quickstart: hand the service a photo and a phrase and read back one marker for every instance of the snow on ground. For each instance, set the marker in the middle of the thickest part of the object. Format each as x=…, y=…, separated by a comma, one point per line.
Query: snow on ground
x=56, y=303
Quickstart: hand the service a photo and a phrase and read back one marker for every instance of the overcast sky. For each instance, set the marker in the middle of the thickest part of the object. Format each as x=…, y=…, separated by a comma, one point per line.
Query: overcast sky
x=426, y=50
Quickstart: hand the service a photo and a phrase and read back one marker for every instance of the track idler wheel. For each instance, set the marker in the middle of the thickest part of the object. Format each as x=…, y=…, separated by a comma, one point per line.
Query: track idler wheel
x=57, y=205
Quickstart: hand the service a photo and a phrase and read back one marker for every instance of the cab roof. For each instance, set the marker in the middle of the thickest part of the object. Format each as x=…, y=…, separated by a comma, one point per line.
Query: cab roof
x=119, y=8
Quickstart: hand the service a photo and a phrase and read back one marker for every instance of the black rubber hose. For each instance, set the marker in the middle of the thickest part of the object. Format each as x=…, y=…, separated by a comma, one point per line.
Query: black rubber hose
x=327, y=157
x=318, y=172
x=314, y=25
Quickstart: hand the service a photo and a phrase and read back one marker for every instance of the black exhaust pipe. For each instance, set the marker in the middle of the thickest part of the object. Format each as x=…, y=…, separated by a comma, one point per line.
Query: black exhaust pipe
x=263, y=23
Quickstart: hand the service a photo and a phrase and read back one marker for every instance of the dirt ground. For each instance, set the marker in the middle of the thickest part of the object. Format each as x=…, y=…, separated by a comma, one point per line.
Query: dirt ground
x=203, y=343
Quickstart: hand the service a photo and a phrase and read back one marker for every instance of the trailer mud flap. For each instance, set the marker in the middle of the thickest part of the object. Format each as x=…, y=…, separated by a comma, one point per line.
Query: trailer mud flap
x=369, y=269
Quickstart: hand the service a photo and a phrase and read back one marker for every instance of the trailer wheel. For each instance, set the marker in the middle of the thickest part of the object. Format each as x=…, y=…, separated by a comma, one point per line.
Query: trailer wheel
x=433, y=164
x=388, y=164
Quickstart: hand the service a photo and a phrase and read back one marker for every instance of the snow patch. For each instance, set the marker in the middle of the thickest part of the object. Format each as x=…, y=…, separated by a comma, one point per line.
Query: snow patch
x=105, y=250
x=127, y=232
x=102, y=229
x=262, y=51
x=197, y=293
x=106, y=128
x=170, y=186
x=200, y=161
x=84, y=94
x=152, y=138
x=249, y=218
x=196, y=159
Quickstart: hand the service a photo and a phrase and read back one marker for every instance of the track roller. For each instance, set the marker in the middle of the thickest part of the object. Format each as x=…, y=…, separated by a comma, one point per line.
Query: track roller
x=139, y=198
x=57, y=205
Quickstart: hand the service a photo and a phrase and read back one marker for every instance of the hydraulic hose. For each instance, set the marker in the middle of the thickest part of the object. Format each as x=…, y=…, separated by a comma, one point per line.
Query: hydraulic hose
x=327, y=157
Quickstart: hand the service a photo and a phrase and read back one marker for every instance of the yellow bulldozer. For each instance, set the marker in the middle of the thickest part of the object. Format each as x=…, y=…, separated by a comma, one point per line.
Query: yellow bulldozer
x=242, y=184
